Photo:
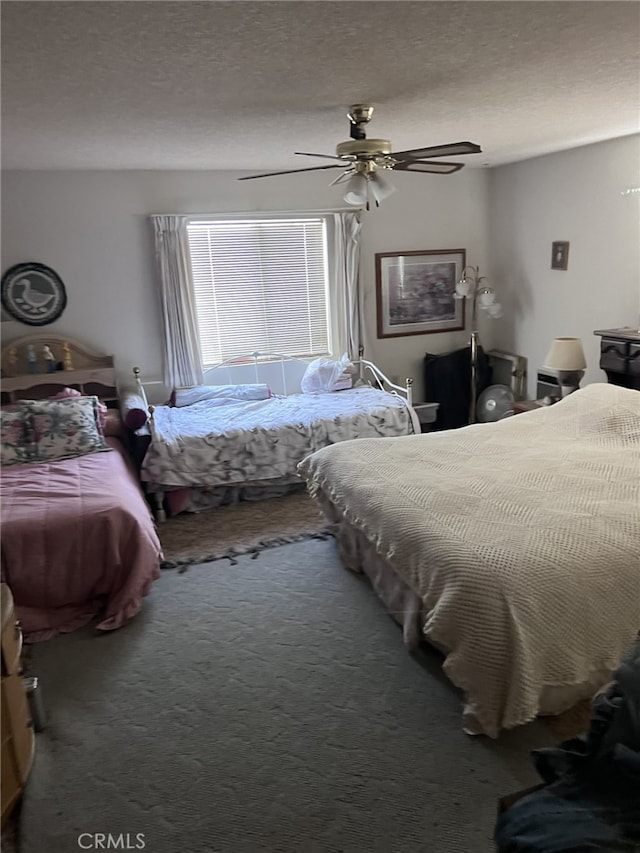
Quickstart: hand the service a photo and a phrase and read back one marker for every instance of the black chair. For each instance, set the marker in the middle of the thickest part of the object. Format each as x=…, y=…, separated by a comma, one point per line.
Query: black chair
x=447, y=381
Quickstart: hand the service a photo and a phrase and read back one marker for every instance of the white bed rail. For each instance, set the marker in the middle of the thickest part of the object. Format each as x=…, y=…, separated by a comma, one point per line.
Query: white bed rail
x=260, y=368
x=263, y=368
x=140, y=390
x=385, y=383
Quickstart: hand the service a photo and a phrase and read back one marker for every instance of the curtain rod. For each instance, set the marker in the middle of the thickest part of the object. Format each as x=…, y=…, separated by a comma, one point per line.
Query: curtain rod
x=259, y=212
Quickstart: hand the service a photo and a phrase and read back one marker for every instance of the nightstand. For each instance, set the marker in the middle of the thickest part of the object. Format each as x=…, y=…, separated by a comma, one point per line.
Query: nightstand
x=521, y=406
x=18, y=741
x=620, y=356
x=427, y=413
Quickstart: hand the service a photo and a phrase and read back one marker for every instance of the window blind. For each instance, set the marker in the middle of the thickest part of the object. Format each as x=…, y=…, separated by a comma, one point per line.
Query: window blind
x=260, y=285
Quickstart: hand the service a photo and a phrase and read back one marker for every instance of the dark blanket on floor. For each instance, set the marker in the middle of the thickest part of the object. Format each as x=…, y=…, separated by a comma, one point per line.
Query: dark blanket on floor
x=591, y=796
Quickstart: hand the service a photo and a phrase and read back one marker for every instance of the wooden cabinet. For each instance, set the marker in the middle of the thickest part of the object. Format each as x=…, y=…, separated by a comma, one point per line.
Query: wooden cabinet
x=18, y=741
x=620, y=356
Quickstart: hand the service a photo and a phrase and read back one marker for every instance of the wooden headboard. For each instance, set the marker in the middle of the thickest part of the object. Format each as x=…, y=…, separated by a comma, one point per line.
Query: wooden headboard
x=76, y=366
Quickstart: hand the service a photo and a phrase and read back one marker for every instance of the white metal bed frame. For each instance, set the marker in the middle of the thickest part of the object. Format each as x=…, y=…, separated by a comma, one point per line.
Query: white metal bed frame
x=259, y=358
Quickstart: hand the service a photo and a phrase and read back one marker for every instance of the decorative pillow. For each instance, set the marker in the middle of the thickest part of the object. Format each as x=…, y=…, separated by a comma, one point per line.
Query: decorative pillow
x=73, y=392
x=134, y=410
x=15, y=436
x=65, y=428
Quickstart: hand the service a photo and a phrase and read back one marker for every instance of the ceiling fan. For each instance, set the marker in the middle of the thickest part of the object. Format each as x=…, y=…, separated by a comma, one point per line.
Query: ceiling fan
x=363, y=160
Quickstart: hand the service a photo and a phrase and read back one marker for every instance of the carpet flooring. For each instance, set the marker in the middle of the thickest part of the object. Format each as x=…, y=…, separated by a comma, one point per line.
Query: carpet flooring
x=249, y=527
x=267, y=706
x=243, y=528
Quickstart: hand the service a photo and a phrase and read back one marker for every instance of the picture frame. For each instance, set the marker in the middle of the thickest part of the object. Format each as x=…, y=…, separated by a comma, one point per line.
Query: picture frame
x=559, y=255
x=415, y=292
x=32, y=293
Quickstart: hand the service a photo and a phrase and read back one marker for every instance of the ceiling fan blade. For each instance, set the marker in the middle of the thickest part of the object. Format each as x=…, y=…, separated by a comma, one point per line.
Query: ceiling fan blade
x=324, y=156
x=425, y=166
x=291, y=171
x=453, y=149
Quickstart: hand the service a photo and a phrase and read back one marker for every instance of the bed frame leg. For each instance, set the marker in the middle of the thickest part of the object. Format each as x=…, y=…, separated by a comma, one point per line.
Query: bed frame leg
x=158, y=510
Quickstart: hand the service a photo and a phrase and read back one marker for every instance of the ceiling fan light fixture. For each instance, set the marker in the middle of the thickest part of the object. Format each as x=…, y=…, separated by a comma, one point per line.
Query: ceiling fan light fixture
x=380, y=187
x=356, y=192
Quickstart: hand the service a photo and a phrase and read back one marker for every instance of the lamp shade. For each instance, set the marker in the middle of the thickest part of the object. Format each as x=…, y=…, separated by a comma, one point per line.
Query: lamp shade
x=356, y=193
x=463, y=288
x=486, y=297
x=565, y=354
x=380, y=187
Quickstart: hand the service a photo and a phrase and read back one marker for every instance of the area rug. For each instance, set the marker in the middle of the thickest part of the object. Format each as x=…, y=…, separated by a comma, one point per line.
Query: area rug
x=267, y=706
x=243, y=528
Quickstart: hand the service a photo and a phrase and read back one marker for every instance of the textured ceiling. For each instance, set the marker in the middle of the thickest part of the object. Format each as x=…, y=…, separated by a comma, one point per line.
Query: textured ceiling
x=242, y=85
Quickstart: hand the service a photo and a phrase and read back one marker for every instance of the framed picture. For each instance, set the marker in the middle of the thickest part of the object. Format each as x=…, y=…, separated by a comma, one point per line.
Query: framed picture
x=559, y=255
x=414, y=292
x=33, y=293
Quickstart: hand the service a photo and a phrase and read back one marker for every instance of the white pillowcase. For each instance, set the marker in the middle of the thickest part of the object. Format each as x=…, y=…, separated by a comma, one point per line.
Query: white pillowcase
x=220, y=394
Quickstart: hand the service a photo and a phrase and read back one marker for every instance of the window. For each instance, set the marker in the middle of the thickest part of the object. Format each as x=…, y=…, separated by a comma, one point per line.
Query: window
x=260, y=285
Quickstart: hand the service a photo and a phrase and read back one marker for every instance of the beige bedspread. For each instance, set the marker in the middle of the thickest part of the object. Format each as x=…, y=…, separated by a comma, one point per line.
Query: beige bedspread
x=522, y=539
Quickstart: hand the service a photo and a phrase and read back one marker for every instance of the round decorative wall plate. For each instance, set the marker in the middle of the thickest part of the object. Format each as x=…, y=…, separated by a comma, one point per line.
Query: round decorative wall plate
x=33, y=293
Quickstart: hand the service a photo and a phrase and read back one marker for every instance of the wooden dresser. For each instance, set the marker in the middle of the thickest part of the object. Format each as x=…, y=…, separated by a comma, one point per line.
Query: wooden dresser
x=18, y=740
x=620, y=356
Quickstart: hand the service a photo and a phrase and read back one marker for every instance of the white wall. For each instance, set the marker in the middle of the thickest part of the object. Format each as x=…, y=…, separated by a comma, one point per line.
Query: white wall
x=576, y=196
x=92, y=228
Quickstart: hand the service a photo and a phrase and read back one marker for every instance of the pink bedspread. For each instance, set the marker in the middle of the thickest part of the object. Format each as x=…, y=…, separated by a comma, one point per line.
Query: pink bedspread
x=77, y=540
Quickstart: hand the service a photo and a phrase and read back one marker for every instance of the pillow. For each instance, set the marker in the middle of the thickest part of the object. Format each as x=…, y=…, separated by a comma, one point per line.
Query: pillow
x=326, y=374
x=134, y=411
x=73, y=392
x=15, y=436
x=220, y=393
x=65, y=428
x=66, y=392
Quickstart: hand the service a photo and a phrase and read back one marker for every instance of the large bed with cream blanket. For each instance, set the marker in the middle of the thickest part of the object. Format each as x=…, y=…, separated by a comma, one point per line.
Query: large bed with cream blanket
x=513, y=547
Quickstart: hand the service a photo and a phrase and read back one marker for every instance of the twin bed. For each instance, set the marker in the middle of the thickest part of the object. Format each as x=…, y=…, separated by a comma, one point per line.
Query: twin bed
x=78, y=539
x=227, y=440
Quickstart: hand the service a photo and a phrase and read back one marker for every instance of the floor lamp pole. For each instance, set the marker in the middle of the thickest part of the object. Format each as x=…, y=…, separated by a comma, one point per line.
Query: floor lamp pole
x=474, y=377
x=474, y=347
x=472, y=286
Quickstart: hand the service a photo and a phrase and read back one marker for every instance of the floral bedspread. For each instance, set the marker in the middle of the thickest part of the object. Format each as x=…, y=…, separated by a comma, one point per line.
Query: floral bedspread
x=258, y=440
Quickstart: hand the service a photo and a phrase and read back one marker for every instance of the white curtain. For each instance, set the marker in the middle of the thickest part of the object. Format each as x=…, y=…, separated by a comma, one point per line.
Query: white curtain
x=345, y=307
x=182, y=356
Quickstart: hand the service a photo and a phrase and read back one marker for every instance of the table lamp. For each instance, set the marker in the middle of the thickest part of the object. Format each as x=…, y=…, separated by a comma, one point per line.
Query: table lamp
x=566, y=359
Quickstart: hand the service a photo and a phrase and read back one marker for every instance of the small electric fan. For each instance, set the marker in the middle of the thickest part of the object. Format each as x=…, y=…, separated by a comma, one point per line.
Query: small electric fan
x=495, y=402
